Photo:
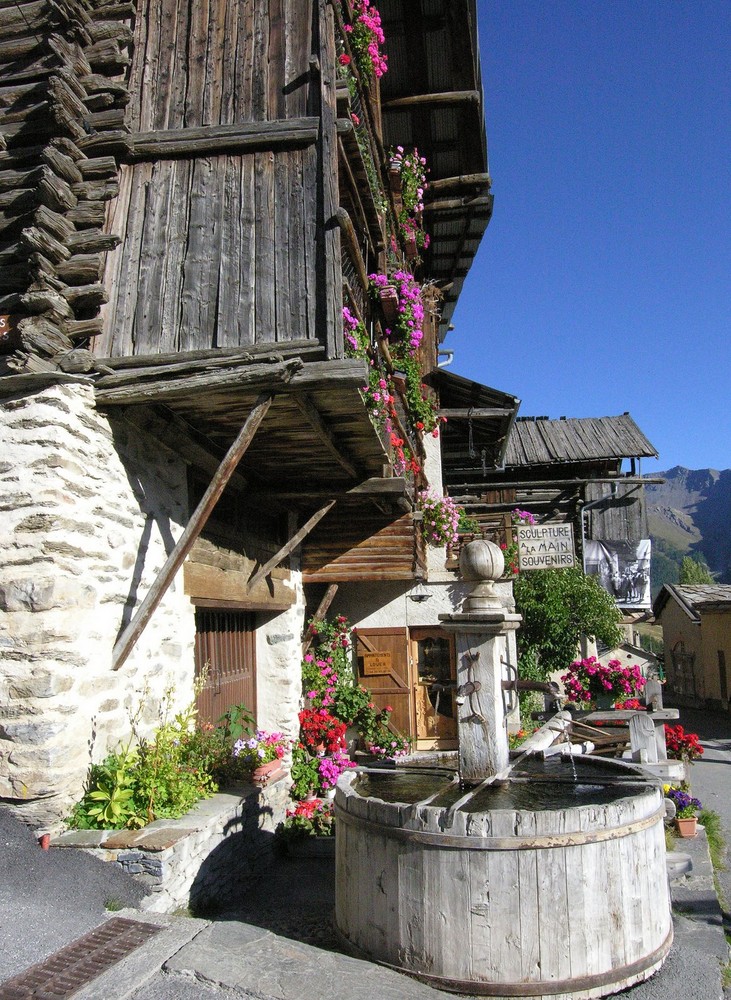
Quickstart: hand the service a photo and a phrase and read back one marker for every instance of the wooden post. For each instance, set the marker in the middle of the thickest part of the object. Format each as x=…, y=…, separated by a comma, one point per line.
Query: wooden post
x=133, y=631
x=642, y=739
x=322, y=610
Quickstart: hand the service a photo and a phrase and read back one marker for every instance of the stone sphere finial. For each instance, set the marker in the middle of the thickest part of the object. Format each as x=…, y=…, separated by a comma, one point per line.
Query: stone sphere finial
x=483, y=562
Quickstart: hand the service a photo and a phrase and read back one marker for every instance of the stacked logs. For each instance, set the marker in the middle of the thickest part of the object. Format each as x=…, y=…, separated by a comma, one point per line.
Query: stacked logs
x=62, y=133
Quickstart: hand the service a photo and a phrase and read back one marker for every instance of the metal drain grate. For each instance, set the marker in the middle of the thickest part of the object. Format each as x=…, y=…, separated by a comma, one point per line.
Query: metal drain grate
x=66, y=971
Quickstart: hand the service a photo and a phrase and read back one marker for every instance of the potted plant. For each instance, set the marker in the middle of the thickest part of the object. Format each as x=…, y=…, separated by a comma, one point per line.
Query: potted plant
x=262, y=753
x=308, y=829
x=686, y=810
x=321, y=732
x=681, y=745
x=589, y=680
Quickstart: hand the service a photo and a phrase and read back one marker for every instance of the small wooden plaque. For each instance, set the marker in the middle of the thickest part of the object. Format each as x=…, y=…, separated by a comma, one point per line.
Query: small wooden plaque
x=376, y=663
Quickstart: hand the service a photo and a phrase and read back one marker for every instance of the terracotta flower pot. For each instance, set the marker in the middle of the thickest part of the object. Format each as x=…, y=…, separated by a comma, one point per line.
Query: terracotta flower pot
x=687, y=826
x=412, y=251
x=265, y=773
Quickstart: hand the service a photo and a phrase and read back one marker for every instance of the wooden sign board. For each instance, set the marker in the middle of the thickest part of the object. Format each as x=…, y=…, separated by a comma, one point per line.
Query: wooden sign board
x=376, y=663
x=545, y=546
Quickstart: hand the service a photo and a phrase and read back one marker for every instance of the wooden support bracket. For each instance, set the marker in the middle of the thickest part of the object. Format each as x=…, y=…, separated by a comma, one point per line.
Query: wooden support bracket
x=290, y=546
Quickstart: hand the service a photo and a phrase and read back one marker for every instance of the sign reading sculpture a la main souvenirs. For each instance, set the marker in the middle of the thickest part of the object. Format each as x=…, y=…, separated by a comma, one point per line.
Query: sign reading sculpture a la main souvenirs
x=545, y=546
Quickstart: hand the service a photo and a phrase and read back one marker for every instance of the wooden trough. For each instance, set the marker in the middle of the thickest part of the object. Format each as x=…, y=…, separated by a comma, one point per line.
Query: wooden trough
x=558, y=902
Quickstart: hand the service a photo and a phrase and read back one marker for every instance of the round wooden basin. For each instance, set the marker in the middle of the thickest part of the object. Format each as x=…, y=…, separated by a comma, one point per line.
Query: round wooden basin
x=566, y=903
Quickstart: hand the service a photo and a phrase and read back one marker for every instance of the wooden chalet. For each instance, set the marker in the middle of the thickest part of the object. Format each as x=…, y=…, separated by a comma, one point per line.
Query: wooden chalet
x=566, y=471
x=190, y=194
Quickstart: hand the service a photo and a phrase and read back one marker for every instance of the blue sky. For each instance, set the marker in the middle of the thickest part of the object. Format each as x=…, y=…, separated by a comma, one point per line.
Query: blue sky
x=603, y=282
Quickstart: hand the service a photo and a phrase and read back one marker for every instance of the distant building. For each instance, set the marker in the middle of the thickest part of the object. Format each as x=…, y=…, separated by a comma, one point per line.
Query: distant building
x=628, y=655
x=696, y=625
x=564, y=472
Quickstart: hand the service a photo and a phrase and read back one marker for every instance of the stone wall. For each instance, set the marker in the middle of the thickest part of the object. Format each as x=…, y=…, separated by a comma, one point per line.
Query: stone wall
x=90, y=508
x=199, y=860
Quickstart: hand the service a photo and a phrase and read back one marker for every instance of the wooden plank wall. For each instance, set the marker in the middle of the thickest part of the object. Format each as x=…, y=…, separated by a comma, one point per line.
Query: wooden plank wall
x=219, y=252
x=219, y=62
x=624, y=518
x=362, y=547
x=231, y=249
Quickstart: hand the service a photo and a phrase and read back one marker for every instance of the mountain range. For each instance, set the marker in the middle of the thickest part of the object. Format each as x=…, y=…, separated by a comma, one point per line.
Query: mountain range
x=690, y=515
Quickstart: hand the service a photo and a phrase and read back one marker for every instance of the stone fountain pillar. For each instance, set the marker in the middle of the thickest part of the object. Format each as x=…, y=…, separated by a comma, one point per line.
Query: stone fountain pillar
x=481, y=630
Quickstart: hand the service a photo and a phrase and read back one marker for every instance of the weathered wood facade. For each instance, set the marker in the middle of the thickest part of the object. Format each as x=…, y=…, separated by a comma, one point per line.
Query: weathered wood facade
x=567, y=471
x=189, y=195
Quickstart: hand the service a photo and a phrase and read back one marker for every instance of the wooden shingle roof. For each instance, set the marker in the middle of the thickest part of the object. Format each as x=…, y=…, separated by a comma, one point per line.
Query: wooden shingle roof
x=540, y=441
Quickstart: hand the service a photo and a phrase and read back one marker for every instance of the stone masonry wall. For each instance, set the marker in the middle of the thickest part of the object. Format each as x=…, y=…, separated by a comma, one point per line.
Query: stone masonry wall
x=89, y=510
x=199, y=860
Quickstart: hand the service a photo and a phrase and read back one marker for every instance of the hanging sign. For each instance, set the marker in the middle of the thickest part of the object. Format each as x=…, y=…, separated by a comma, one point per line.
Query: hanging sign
x=545, y=546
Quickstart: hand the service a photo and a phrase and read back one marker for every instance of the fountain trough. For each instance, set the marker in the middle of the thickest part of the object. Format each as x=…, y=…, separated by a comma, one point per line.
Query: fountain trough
x=540, y=878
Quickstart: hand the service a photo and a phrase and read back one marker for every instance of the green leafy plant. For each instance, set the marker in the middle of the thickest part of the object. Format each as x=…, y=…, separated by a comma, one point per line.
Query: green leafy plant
x=109, y=800
x=711, y=821
x=237, y=722
x=305, y=772
x=163, y=775
x=559, y=606
x=467, y=525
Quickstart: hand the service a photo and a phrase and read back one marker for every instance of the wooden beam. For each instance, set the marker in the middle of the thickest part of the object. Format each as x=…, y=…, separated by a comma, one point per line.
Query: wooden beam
x=161, y=390
x=134, y=629
x=212, y=140
x=553, y=483
x=223, y=355
x=314, y=418
x=290, y=546
x=351, y=242
x=444, y=98
x=459, y=204
x=474, y=413
x=460, y=181
x=292, y=375
x=322, y=610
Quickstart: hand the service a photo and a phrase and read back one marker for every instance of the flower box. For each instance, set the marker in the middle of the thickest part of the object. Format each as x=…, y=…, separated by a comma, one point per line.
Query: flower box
x=389, y=299
x=268, y=773
x=311, y=847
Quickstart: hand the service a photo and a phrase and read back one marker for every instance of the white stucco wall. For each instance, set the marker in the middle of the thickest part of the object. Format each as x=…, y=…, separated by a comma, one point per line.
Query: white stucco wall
x=90, y=510
x=279, y=666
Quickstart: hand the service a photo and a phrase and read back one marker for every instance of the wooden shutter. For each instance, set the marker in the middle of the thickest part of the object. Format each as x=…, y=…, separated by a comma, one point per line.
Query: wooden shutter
x=225, y=650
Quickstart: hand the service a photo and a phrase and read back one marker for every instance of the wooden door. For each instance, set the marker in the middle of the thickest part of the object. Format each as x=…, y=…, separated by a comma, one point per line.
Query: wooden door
x=383, y=668
x=225, y=653
x=434, y=674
